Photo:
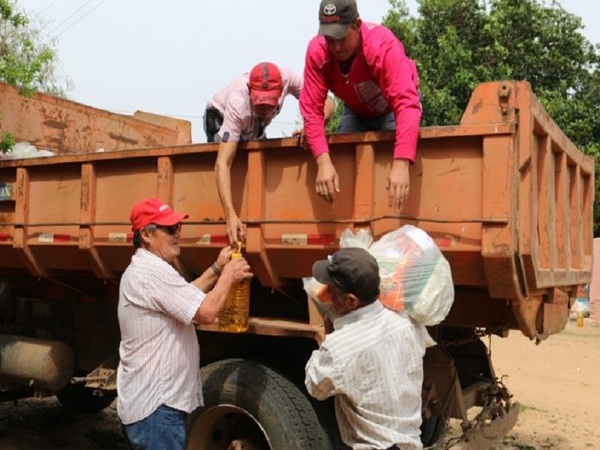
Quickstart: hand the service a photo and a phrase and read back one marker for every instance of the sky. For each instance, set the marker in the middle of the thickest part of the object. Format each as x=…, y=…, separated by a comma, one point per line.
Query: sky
x=170, y=57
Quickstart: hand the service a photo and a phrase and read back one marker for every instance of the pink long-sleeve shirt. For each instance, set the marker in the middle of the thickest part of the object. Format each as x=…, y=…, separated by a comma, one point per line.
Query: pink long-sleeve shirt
x=381, y=79
x=233, y=102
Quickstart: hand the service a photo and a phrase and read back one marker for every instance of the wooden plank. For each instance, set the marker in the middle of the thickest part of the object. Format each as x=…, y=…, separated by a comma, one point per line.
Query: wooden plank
x=275, y=327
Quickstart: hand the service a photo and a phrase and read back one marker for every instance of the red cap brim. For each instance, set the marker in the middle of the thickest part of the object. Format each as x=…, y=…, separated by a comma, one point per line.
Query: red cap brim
x=265, y=97
x=171, y=219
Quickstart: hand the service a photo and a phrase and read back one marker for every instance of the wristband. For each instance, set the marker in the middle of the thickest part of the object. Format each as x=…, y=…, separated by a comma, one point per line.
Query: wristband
x=215, y=269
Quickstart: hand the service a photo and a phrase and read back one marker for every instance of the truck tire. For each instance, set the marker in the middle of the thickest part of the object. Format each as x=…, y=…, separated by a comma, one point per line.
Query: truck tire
x=247, y=401
x=432, y=429
x=78, y=398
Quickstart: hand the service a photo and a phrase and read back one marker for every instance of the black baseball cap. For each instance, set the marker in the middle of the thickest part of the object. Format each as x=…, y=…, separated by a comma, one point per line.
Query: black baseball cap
x=335, y=16
x=353, y=269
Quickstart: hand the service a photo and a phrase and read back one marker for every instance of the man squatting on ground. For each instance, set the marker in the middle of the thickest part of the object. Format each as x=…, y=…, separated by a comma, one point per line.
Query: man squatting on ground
x=372, y=363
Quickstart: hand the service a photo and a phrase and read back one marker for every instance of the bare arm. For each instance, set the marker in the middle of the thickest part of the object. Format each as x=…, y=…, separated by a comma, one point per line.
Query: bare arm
x=209, y=277
x=398, y=184
x=235, y=227
x=233, y=273
x=327, y=183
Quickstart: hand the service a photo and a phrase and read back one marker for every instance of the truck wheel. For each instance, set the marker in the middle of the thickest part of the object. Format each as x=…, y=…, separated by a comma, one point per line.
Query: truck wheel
x=432, y=430
x=78, y=398
x=247, y=402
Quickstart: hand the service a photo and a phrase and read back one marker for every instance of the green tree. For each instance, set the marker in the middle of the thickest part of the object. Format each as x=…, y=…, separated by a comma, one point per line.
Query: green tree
x=458, y=44
x=26, y=59
x=334, y=122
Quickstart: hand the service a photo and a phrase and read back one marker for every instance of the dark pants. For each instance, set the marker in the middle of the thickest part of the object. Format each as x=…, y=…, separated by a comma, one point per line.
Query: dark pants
x=212, y=124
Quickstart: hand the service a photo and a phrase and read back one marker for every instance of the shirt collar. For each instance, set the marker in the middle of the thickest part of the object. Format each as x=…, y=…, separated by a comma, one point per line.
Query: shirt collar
x=361, y=313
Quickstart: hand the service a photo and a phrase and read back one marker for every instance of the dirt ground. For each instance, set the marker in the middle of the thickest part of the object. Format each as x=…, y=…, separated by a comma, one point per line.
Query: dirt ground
x=43, y=424
x=557, y=384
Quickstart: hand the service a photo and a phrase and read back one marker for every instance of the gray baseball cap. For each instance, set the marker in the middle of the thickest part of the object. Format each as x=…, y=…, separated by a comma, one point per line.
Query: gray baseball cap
x=354, y=270
x=335, y=16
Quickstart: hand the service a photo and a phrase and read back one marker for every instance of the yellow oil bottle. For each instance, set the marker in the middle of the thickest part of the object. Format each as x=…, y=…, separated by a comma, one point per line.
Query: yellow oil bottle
x=234, y=317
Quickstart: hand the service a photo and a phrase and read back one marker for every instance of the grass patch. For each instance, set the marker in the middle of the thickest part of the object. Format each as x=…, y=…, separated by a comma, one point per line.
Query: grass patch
x=512, y=441
x=523, y=407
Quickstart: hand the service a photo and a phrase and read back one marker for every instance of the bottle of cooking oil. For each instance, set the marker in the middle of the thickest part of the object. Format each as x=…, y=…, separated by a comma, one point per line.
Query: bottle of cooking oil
x=234, y=317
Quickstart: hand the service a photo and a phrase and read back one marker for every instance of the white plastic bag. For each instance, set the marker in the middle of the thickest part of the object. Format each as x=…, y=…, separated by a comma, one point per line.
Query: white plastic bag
x=415, y=276
x=361, y=239
x=436, y=298
x=315, y=291
x=24, y=150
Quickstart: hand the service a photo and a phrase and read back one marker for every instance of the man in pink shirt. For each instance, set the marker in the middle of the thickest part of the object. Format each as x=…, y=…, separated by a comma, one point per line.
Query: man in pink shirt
x=241, y=111
x=365, y=66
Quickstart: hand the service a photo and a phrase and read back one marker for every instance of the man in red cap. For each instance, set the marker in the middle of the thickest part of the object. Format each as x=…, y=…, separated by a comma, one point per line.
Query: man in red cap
x=365, y=66
x=157, y=377
x=241, y=111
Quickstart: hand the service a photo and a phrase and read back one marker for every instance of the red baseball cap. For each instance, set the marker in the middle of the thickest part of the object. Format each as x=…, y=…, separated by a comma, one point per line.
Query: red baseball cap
x=153, y=210
x=265, y=84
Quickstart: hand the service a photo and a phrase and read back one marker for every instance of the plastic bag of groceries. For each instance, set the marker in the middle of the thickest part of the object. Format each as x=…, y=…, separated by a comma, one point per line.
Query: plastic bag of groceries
x=318, y=294
x=415, y=276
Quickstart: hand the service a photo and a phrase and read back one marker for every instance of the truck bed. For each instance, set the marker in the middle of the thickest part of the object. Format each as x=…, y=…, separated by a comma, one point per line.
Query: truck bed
x=505, y=194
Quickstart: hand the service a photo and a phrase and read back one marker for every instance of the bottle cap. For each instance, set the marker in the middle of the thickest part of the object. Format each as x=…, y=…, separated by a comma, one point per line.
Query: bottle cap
x=238, y=253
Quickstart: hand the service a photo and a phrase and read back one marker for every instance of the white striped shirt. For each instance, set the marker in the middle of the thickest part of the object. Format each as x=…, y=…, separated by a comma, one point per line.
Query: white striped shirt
x=159, y=351
x=373, y=364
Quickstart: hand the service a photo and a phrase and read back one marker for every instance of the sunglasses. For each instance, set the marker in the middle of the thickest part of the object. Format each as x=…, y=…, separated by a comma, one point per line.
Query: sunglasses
x=169, y=229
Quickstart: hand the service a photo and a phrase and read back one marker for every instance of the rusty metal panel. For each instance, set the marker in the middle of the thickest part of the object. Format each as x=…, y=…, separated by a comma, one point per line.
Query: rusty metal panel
x=67, y=127
x=504, y=194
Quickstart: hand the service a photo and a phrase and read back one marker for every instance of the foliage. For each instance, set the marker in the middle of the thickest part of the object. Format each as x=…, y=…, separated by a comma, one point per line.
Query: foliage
x=458, y=44
x=334, y=122
x=7, y=142
x=26, y=60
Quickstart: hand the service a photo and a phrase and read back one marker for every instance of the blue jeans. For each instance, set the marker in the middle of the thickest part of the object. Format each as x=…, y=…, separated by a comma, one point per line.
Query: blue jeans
x=351, y=122
x=164, y=429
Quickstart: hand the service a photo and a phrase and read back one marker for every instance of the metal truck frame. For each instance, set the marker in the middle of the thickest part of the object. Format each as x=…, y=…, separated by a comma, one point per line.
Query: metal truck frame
x=505, y=195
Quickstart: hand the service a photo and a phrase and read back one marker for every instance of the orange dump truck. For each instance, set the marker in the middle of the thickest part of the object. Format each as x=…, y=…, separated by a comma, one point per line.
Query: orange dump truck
x=506, y=196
